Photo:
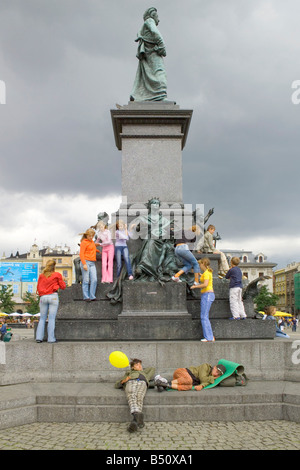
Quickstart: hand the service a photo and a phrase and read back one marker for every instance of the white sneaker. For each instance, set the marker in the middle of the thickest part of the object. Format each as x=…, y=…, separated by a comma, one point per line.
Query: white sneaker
x=159, y=377
x=176, y=279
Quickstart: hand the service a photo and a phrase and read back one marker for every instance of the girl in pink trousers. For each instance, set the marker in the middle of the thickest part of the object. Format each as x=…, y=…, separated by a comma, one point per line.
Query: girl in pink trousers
x=108, y=251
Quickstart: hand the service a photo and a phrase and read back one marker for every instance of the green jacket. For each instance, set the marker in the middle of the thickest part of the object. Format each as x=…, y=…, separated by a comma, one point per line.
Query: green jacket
x=148, y=373
x=203, y=373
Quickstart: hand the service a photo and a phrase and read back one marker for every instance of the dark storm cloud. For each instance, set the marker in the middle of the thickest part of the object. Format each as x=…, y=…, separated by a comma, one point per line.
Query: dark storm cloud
x=67, y=62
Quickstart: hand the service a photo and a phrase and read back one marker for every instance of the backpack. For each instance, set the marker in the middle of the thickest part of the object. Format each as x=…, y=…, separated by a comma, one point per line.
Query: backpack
x=7, y=337
x=234, y=380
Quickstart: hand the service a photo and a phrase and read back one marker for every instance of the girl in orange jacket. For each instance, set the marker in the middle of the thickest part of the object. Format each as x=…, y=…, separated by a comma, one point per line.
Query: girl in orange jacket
x=88, y=249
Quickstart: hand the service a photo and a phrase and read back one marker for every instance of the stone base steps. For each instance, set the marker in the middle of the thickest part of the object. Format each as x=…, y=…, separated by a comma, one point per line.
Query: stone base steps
x=96, y=402
x=28, y=362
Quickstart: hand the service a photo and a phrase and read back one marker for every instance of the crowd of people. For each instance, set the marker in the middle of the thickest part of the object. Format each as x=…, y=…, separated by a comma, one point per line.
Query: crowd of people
x=115, y=246
x=90, y=242
x=100, y=237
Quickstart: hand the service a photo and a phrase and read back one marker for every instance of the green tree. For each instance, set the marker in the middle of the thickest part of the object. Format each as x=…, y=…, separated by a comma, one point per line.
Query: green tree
x=265, y=298
x=32, y=303
x=7, y=305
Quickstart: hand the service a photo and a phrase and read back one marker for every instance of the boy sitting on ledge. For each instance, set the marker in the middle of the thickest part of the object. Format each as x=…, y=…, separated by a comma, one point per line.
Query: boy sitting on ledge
x=136, y=383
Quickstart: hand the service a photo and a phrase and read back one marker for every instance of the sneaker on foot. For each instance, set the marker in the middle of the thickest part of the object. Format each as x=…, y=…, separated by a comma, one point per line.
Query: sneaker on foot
x=159, y=377
x=176, y=279
x=160, y=383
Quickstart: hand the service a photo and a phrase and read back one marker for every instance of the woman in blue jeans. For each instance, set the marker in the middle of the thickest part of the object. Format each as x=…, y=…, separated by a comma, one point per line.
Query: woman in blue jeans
x=183, y=253
x=121, y=249
x=207, y=298
x=47, y=288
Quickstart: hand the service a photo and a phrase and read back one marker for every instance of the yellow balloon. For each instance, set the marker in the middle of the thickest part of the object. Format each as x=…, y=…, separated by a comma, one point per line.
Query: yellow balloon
x=118, y=359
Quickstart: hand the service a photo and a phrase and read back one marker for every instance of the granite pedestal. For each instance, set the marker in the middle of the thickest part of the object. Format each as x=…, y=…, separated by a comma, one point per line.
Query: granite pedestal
x=151, y=136
x=151, y=311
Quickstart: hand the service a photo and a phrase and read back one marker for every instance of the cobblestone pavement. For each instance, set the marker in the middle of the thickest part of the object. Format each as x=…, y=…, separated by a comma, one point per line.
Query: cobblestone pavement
x=245, y=435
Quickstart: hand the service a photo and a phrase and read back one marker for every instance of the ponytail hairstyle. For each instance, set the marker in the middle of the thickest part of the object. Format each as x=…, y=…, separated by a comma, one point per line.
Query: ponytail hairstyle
x=206, y=262
x=49, y=268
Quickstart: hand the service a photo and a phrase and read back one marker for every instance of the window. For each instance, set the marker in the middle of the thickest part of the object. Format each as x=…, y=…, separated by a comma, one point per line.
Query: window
x=15, y=289
x=30, y=288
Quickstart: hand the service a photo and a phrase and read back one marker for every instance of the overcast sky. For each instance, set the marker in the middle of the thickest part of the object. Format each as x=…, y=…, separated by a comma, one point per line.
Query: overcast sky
x=66, y=63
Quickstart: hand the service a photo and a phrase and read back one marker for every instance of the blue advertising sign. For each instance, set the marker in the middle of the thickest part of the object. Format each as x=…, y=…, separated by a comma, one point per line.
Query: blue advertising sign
x=18, y=272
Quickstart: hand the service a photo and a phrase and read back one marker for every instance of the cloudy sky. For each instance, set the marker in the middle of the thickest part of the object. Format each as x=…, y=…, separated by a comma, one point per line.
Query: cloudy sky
x=66, y=63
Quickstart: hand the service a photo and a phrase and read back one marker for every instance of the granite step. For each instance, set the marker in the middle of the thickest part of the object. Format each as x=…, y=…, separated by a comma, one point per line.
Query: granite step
x=101, y=402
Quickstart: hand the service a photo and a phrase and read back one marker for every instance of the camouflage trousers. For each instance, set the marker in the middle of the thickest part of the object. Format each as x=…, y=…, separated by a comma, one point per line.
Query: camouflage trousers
x=135, y=391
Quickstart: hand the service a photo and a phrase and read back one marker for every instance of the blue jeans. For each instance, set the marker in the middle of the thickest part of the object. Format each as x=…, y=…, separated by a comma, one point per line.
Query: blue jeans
x=89, y=280
x=48, y=306
x=188, y=259
x=119, y=252
x=207, y=299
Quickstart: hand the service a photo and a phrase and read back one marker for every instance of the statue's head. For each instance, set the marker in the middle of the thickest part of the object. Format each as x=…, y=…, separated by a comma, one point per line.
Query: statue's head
x=150, y=13
x=153, y=201
x=103, y=216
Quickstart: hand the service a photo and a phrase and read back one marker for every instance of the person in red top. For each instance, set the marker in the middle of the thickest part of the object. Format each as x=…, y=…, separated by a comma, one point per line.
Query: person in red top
x=87, y=255
x=47, y=288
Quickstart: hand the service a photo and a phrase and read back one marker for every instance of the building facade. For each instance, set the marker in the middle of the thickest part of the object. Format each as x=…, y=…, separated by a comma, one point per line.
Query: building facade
x=21, y=271
x=64, y=261
x=286, y=286
x=280, y=289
